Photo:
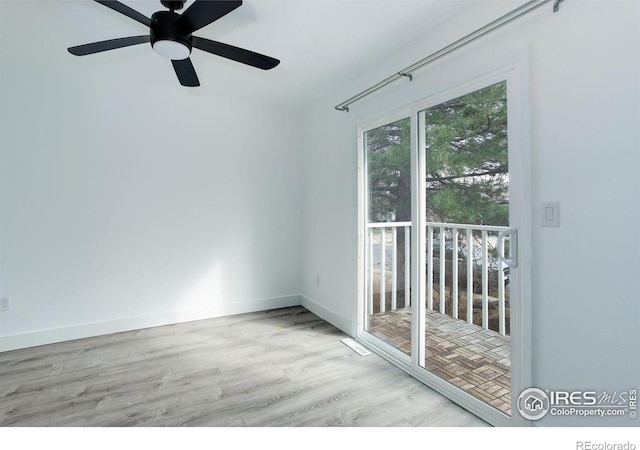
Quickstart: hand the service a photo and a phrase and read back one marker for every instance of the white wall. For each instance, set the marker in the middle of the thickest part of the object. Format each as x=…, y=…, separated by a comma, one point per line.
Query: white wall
x=585, y=97
x=124, y=206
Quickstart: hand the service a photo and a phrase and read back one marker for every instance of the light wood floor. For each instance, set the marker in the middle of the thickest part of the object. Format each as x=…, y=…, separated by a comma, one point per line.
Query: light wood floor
x=278, y=368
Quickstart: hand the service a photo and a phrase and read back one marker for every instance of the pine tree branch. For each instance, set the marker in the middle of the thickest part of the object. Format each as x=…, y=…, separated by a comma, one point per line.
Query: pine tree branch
x=496, y=171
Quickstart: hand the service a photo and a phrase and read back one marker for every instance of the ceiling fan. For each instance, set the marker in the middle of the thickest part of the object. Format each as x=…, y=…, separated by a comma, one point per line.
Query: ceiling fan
x=171, y=36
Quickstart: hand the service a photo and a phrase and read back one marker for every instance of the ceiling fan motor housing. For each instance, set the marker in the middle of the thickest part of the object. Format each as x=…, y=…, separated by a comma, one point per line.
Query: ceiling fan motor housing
x=173, y=4
x=166, y=39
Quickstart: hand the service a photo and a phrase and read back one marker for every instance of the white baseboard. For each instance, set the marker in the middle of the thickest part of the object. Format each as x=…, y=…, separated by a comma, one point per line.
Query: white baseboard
x=334, y=319
x=54, y=335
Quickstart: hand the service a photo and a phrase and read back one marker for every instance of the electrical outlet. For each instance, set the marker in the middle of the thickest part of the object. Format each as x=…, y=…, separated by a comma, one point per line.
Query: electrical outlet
x=5, y=304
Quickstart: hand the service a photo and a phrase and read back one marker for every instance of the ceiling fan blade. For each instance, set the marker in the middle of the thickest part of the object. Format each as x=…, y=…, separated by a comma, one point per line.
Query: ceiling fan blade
x=103, y=46
x=235, y=53
x=186, y=73
x=124, y=9
x=202, y=12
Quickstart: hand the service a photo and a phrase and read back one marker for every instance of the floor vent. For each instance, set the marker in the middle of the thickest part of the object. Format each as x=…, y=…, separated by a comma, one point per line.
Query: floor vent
x=353, y=345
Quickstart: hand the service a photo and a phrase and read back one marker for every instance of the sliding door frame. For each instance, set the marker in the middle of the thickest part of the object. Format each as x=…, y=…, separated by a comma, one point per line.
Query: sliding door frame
x=516, y=76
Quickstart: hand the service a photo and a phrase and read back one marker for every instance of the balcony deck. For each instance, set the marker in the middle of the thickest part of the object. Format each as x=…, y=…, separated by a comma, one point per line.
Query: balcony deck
x=469, y=357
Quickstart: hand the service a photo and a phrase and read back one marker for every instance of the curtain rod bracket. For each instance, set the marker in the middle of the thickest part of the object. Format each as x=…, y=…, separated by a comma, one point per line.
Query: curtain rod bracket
x=405, y=74
x=342, y=108
x=556, y=5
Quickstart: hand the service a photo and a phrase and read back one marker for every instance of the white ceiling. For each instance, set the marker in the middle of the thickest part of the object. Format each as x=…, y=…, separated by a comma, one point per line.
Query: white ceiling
x=320, y=42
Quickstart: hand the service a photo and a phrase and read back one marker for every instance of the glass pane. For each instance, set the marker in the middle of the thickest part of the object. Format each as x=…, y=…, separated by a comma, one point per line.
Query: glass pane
x=388, y=152
x=467, y=207
x=467, y=159
x=389, y=172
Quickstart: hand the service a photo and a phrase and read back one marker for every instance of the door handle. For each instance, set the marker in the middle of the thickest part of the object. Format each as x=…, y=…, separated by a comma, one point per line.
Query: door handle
x=512, y=234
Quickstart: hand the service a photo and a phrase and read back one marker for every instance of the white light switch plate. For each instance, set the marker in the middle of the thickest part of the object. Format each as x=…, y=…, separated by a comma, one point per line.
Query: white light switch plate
x=550, y=214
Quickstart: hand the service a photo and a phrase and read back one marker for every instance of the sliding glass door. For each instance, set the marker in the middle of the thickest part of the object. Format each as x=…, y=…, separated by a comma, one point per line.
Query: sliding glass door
x=440, y=269
x=388, y=233
x=464, y=152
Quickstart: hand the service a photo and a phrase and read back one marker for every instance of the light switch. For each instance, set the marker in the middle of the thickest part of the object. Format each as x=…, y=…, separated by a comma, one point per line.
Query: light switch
x=548, y=213
x=551, y=214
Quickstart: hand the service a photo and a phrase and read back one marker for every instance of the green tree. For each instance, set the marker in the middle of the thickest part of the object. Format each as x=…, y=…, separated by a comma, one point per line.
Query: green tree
x=467, y=173
x=389, y=172
x=467, y=159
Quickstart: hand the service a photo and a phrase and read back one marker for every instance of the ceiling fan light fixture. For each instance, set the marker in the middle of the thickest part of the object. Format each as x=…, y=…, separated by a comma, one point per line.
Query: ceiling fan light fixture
x=173, y=50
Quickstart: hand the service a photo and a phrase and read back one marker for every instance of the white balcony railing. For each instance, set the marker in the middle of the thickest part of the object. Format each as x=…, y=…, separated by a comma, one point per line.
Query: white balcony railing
x=474, y=289
x=385, y=265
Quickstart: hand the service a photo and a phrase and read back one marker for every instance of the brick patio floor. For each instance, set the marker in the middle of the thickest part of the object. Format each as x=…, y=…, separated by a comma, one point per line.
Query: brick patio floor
x=473, y=359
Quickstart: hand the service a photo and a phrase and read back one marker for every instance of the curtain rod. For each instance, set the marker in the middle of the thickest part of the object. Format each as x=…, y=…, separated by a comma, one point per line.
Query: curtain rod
x=480, y=32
